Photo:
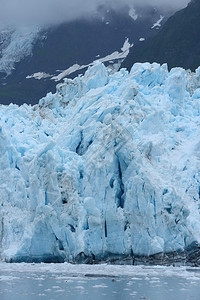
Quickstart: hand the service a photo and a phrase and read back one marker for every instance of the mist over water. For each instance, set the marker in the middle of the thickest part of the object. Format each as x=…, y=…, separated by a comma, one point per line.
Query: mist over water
x=46, y=12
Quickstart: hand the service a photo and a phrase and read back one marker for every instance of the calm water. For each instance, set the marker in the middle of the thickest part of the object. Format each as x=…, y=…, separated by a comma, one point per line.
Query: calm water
x=22, y=284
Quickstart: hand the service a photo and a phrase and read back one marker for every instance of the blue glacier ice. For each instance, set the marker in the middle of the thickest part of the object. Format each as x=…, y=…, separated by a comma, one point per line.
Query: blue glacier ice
x=107, y=167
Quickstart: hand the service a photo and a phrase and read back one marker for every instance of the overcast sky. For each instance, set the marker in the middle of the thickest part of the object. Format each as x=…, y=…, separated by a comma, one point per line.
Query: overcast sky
x=51, y=11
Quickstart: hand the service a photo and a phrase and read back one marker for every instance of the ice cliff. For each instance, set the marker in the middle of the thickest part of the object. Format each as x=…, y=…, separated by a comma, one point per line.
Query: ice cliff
x=107, y=168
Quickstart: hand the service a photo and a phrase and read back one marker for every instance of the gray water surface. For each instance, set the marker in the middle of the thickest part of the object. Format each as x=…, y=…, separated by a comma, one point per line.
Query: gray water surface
x=57, y=286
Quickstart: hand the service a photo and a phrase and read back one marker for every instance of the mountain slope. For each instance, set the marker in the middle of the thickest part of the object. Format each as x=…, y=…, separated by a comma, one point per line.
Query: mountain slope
x=177, y=44
x=78, y=42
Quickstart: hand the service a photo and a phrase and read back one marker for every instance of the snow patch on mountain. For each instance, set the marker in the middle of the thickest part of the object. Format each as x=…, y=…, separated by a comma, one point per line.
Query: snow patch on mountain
x=133, y=14
x=157, y=25
x=38, y=75
x=106, y=168
x=113, y=57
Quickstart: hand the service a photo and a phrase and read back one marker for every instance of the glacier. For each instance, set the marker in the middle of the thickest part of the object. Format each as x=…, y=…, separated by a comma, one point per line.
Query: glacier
x=16, y=43
x=105, y=169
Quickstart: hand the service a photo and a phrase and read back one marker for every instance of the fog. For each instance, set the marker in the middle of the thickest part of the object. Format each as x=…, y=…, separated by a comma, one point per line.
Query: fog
x=22, y=12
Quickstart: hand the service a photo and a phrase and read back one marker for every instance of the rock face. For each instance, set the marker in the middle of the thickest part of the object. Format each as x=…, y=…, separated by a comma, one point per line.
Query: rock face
x=105, y=169
x=177, y=43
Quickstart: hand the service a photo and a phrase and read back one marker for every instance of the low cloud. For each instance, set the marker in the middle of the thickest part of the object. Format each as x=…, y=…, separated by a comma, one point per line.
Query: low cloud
x=57, y=11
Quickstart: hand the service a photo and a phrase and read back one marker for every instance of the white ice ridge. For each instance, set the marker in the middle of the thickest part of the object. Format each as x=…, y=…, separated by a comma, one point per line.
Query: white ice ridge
x=107, y=166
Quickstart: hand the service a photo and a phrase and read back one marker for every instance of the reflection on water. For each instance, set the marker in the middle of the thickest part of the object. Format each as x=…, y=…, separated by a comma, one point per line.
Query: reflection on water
x=52, y=286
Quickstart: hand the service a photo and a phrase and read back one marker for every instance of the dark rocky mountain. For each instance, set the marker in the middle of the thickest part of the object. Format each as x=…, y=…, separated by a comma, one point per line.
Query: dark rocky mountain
x=177, y=43
x=47, y=52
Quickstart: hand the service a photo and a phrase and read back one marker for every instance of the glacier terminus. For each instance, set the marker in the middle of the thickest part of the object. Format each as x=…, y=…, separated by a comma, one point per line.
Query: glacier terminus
x=105, y=169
